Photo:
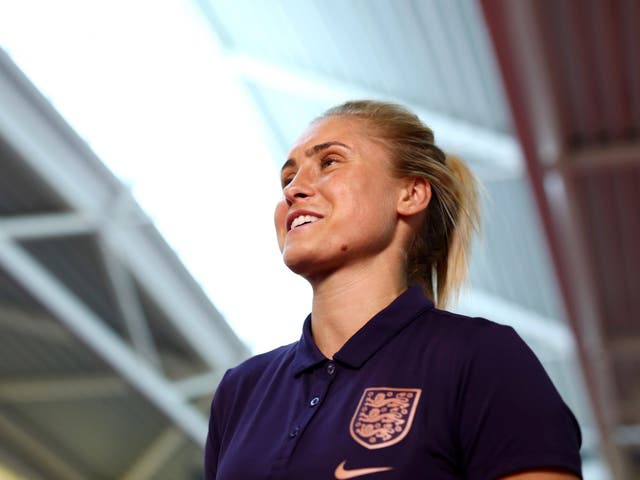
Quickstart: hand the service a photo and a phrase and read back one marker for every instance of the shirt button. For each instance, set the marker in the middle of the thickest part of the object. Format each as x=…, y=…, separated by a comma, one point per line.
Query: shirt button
x=331, y=369
x=314, y=401
x=294, y=432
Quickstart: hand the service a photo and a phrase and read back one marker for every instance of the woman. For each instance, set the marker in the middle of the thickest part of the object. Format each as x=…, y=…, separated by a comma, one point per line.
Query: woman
x=382, y=384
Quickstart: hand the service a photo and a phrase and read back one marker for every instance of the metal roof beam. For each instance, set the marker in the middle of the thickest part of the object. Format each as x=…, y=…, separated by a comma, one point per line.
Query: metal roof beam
x=63, y=389
x=496, y=150
x=130, y=307
x=42, y=456
x=55, y=224
x=47, y=143
x=624, y=346
x=629, y=406
x=24, y=227
x=51, y=148
x=199, y=385
x=193, y=324
x=607, y=157
x=190, y=316
x=159, y=451
x=627, y=435
x=186, y=318
x=33, y=323
x=519, y=41
x=91, y=330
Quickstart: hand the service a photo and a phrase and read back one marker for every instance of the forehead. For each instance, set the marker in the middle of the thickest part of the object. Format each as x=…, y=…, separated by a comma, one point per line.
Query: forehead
x=350, y=131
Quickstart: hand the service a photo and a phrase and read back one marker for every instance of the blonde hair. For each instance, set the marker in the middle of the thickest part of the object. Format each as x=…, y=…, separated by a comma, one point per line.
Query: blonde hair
x=437, y=258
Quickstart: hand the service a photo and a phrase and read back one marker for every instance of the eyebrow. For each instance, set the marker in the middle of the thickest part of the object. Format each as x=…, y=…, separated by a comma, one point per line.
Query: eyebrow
x=313, y=150
x=324, y=146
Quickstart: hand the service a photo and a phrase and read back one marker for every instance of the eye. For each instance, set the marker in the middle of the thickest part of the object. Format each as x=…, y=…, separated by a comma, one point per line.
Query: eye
x=286, y=180
x=328, y=161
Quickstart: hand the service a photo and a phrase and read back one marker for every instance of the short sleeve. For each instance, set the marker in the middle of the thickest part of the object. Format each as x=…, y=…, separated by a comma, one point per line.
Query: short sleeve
x=512, y=418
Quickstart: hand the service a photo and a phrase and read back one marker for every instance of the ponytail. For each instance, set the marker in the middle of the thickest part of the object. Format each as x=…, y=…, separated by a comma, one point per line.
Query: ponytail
x=466, y=223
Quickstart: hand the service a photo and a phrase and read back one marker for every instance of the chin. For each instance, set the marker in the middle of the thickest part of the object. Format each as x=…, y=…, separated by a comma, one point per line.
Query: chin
x=299, y=265
x=300, y=260
x=310, y=265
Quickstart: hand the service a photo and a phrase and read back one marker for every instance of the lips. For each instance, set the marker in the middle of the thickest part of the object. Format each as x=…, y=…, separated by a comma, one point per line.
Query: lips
x=301, y=217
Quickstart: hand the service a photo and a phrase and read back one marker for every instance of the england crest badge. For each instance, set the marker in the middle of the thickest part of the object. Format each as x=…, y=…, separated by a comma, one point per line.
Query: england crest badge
x=384, y=416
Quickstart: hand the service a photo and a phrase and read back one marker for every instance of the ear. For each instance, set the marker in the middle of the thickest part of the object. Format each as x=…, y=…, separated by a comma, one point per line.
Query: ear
x=415, y=195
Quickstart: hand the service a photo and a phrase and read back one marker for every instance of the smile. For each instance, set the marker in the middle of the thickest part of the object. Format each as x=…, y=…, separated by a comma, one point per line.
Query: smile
x=303, y=220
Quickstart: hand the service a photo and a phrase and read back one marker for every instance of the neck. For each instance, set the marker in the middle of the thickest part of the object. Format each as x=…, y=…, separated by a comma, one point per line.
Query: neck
x=344, y=301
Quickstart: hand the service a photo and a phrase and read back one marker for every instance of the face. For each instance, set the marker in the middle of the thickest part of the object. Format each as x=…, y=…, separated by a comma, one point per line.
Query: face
x=340, y=198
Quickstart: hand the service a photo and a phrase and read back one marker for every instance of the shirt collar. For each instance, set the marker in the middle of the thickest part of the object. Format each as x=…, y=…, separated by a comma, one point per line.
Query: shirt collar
x=376, y=333
x=307, y=353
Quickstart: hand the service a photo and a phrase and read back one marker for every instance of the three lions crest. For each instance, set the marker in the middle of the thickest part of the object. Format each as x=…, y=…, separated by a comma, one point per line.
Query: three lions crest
x=384, y=416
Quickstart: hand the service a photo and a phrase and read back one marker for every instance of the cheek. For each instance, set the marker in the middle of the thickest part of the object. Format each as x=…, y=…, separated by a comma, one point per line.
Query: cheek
x=279, y=218
x=378, y=211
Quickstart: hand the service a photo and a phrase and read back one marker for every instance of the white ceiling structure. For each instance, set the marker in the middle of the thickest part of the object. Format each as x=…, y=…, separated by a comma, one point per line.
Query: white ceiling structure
x=110, y=351
x=104, y=335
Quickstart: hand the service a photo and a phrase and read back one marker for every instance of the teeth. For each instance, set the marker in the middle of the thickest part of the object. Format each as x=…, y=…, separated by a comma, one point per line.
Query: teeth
x=302, y=219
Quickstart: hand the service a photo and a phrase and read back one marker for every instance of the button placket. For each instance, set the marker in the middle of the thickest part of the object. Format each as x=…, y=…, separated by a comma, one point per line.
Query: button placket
x=331, y=368
x=322, y=387
x=315, y=396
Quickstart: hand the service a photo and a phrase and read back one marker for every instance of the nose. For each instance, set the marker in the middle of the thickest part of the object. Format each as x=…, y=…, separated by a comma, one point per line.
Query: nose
x=300, y=186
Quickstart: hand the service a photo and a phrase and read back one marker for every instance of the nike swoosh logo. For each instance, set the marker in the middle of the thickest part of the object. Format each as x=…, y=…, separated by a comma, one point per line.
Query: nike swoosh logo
x=342, y=474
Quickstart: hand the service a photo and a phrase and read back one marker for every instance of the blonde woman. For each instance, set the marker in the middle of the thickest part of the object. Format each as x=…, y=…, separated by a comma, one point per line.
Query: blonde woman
x=383, y=383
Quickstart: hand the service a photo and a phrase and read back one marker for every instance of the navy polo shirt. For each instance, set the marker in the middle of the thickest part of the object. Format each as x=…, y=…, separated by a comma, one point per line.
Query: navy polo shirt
x=416, y=393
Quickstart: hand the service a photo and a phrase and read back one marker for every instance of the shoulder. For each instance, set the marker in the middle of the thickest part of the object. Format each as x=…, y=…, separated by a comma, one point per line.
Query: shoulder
x=480, y=358
x=460, y=325
x=503, y=391
x=509, y=415
x=484, y=347
x=464, y=336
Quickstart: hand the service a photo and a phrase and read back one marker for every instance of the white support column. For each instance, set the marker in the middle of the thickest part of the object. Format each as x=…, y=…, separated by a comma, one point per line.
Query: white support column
x=92, y=331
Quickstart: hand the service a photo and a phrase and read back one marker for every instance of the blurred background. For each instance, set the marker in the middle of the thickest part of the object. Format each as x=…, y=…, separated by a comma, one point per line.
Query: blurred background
x=140, y=144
